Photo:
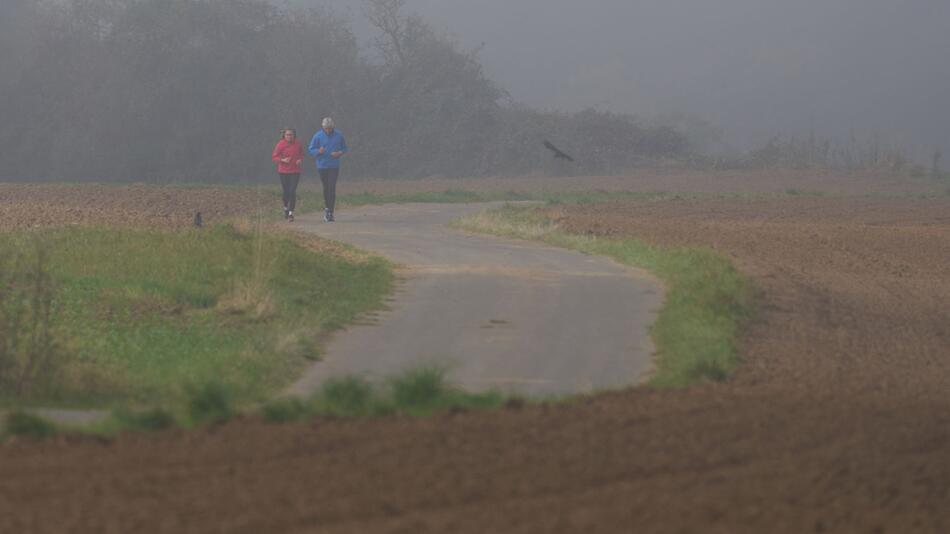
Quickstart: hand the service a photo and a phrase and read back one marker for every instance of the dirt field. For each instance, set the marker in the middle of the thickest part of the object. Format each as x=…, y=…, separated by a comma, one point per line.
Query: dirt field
x=25, y=206
x=668, y=180
x=838, y=420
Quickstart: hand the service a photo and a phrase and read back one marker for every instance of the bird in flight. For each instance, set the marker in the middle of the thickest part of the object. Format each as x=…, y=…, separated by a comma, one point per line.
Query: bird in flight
x=557, y=153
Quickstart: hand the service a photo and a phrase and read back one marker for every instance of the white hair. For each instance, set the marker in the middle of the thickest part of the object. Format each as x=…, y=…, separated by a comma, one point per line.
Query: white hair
x=328, y=123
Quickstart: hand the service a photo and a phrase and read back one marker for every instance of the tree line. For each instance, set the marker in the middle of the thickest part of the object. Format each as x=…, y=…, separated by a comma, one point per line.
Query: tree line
x=198, y=90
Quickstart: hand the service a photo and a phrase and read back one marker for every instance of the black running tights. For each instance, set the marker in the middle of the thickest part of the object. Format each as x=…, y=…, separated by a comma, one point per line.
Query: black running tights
x=328, y=177
x=289, y=183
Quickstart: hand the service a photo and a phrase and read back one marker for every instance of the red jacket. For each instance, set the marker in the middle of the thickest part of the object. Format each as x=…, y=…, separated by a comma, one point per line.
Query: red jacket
x=293, y=150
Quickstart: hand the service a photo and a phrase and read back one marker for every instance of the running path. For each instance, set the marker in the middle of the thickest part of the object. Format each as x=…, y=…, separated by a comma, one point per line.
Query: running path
x=510, y=315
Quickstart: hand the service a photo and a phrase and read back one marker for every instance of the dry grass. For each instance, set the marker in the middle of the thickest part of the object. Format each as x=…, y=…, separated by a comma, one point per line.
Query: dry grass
x=250, y=299
x=326, y=247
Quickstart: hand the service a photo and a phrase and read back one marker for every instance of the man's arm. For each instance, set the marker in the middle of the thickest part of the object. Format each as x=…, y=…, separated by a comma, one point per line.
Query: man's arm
x=341, y=149
x=314, y=148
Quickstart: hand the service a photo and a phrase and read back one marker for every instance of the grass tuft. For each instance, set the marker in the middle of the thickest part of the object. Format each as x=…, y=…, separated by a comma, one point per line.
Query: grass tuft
x=420, y=388
x=713, y=371
x=426, y=390
x=29, y=425
x=210, y=403
x=250, y=299
x=287, y=409
x=147, y=421
x=348, y=396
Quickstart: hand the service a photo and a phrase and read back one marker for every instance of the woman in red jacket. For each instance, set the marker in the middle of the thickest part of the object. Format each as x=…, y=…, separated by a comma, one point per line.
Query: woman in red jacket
x=288, y=154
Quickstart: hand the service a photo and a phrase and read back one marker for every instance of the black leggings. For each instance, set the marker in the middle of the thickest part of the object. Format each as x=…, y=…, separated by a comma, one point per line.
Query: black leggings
x=289, y=183
x=328, y=177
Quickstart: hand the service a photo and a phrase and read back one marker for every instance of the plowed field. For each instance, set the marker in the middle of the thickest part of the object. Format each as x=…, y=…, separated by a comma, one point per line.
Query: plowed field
x=838, y=420
x=32, y=206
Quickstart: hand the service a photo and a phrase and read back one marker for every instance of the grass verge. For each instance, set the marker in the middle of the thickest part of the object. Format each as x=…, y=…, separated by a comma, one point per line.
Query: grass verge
x=140, y=316
x=416, y=392
x=707, y=299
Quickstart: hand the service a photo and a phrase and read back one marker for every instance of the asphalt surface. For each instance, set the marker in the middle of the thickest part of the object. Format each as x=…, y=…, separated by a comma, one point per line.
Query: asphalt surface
x=499, y=314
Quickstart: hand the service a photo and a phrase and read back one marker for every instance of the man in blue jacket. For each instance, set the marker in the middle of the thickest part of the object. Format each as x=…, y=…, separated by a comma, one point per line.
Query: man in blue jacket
x=328, y=146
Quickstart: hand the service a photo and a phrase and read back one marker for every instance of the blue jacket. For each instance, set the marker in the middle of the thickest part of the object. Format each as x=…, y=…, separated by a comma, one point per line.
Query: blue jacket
x=332, y=143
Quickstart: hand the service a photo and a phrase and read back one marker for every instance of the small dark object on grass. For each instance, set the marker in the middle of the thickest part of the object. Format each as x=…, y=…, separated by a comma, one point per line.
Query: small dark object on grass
x=198, y=221
x=557, y=153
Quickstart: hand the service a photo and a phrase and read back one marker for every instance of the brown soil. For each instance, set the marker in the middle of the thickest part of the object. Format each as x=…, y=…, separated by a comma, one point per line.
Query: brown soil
x=32, y=206
x=777, y=181
x=837, y=421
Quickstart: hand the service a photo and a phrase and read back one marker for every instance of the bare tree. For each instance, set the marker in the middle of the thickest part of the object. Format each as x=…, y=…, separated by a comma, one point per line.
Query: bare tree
x=385, y=16
x=194, y=90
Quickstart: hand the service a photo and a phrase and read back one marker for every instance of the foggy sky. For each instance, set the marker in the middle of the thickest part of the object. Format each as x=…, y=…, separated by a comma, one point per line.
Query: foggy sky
x=754, y=67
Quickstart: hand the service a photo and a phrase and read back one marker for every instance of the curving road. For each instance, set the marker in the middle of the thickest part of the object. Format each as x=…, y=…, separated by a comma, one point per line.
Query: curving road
x=510, y=315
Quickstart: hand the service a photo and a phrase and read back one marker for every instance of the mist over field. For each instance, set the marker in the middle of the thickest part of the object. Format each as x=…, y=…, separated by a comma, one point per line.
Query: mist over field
x=194, y=90
x=755, y=68
x=607, y=266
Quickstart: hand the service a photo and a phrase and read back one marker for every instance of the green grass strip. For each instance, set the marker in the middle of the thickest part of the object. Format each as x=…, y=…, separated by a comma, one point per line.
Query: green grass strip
x=706, y=301
x=142, y=315
x=418, y=391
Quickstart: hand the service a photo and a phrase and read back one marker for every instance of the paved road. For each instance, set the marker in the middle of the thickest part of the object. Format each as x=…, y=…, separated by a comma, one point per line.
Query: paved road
x=504, y=314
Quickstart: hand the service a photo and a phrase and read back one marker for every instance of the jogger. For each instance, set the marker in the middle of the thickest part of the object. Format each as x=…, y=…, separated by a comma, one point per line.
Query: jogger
x=328, y=146
x=288, y=154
